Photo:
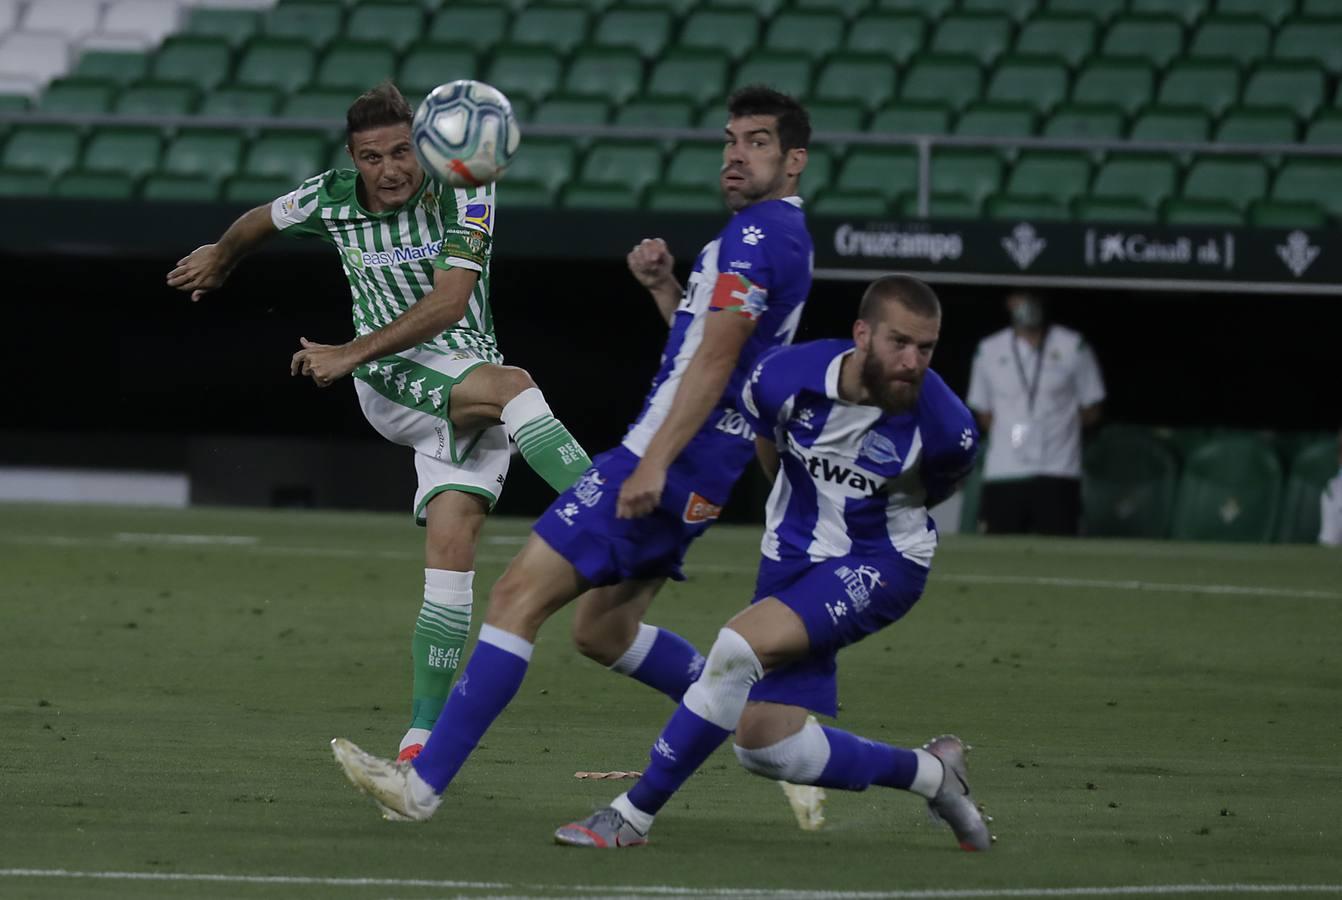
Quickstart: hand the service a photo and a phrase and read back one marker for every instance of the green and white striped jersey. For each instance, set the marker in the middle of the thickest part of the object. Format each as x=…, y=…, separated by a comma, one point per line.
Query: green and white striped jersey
x=389, y=257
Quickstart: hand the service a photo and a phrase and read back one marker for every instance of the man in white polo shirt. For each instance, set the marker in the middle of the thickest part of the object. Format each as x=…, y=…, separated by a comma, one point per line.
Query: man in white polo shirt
x=1330, y=505
x=1033, y=387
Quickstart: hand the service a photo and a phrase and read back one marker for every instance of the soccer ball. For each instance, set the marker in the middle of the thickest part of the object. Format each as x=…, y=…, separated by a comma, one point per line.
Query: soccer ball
x=465, y=133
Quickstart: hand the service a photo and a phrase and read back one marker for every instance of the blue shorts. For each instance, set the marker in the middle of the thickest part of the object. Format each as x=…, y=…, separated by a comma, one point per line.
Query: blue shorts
x=840, y=601
x=581, y=525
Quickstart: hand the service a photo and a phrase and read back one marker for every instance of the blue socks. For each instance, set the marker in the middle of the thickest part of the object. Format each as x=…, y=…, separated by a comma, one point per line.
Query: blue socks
x=685, y=742
x=671, y=666
x=856, y=763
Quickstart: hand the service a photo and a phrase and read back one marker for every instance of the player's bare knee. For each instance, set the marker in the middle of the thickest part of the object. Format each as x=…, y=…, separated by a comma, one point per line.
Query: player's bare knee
x=511, y=382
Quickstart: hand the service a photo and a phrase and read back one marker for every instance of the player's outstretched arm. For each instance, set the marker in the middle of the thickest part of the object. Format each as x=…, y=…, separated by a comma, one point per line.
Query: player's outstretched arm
x=651, y=263
x=207, y=267
x=433, y=314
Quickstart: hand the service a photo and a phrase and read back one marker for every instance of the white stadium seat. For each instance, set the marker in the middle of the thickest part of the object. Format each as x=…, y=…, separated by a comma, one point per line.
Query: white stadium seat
x=37, y=57
x=18, y=85
x=9, y=16
x=154, y=19
x=72, y=18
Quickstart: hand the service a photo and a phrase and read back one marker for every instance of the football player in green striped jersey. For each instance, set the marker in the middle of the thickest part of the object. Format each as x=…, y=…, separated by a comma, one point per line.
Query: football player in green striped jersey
x=424, y=360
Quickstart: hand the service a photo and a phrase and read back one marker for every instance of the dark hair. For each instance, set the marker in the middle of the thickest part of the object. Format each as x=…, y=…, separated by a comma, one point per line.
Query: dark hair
x=377, y=107
x=914, y=295
x=794, y=122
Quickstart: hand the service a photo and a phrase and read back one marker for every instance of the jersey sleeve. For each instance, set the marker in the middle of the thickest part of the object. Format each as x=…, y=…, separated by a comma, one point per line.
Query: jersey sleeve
x=763, y=396
x=468, y=240
x=746, y=269
x=298, y=212
x=955, y=448
x=1089, y=381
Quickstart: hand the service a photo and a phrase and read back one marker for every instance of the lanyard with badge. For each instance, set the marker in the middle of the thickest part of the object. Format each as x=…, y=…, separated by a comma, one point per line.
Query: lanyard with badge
x=1022, y=433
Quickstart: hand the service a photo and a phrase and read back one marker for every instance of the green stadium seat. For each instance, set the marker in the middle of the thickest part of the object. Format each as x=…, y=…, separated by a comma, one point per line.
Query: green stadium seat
x=950, y=79
x=1212, y=86
x=285, y=64
x=315, y=24
x=1326, y=128
x=157, y=98
x=1233, y=38
x=515, y=193
x=788, y=72
x=696, y=166
x=547, y=161
x=838, y=115
x=647, y=31
x=292, y=155
x=24, y=183
x=1099, y=10
x=117, y=66
x=970, y=173
x=396, y=24
x=844, y=8
x=1181, y=211
x=237, y=26
x=179, y=188
x=1115, y=211
x=1298, y=86
x=810, y=34
x=1087, y=120
x=1258, y=125
x=427, y=65
x=1308, y=180
x=571, y=109
x=201, y=61
x=528, y=72
x=1017, y=10
x=928, y=117
x=207, y=152
x=819, y=172
x=612, y=72
x=887, y=172
x=1153, y=39
x=338, y=156
x=677, y=198
x=656, y=113
x=253, y=190
x=77, y=96
x=94, y=186
x=236, y=102
x=1060, y=175
x=1230, y=490
x=1128, y=485
x=931, y=9
x=1039, y=81
x=682, y=7
x=1071, y=38
x=331, y=105
x=1316, y=41
x=481, y=26
x=1286, y=214
x=561, y=28
x=1011, y=207
x=1171, y=123
x=1311, y=468
x=51, y=149
x=1142, y=177
x=696, y=75
x=991, y=119
x=731, y=33
x=629, y=164
x=943, y=206
x=1331, y=9
x=839, y=203
x=355, y=66
x=899, y=37
x=867, y=78
x=1271, y=11
x=129, y=151
x=599, y=196
x=1237, y=181
x=1123, y=83
x=982, y=37
x=13, y=103
x=1187, y=11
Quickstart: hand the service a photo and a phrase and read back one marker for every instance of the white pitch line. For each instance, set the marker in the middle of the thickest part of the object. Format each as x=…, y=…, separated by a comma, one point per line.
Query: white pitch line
x=138, y=537
x=1132, y=585
x=1133, y=890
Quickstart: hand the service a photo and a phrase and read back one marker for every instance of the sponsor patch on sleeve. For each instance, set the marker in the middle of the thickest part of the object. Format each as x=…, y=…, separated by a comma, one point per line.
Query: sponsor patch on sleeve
x=464, y=245
x=735, y=293
x=479, y=216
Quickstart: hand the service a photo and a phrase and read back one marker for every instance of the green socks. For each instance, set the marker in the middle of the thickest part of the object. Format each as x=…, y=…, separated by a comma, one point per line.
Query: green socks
x=439, y=642
x=545, y=443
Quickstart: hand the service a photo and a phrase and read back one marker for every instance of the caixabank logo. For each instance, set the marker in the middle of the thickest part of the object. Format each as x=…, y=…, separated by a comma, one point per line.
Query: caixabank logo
x=1115, y=247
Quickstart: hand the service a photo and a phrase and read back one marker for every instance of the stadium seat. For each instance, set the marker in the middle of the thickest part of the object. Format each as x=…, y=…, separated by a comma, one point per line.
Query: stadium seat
x=969, y=173
x=77, y=96
x=696, y=75
x=647, y=31
x=571, y=109
x=252, y=189
x=1211, y=86
x=1154, y=39
x=560, y=28
x=524, y=194
x=616, y=73
x=943, y=206
x=931, y=9
x=1144, y=178
x=1041, y=82
x=24, y=183
x=314, y=23
x=955, y=80
x=51, y=149
x=1271, y=11
x=210, y=153
x=599, y=196
x=292, y=155
x=118, y=67
x=656, y=113
x=1311, y=468
x=838, y=115
x=1128, y=485
x=1085, y=121
x=179, y=188
x=1286, y=214
x=1061, y=175
x=146, y=22
x=788, y=72
x=157, y=98
x=239, y=102
x=34, y=58
x=94, y=186
x=885, y=171
x=480, y=25
x=676, y=198
x=1017, y=10
x=1113, y=211
x=201, y=61
x=237, y=26
x=1171, y=123
x=1326, y=128
x=1299, y=87
x=763, y=8
x=72, y=19
x=630, y=164
x=1314, y=41
x=842, y=8
x=695, y=165
x=547, y=161
x=1187, y=11
x=728, y=32
x=899, y=37
x=992, y=119
x=529, y=72
x=1321, y=8
x=868, y=79
x=1230, y=490
x=1234, y=180
x=1070, y=38
x=1302, y=180
x=927, y=117
x=1236, y=39
x=1258, y=125
x=810, y=34
x=1181, y=211
x=285, y=64
x=396, y=24
x=427, y=65
x=355, y=66
x=982, y=37
x=819, y=172
x=130, y=151
x=1123, y=83
x=1014, y=208
x=839, y=203
x=331, y=105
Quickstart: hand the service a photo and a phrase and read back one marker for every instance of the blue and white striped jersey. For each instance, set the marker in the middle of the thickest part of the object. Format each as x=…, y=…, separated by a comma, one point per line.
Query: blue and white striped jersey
x=853, y=479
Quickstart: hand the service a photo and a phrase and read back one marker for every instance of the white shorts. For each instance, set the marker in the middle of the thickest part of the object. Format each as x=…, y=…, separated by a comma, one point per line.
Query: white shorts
x=406, y=398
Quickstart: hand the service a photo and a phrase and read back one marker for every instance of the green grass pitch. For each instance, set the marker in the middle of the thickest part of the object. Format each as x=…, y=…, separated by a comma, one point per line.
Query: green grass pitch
x=1143, y=715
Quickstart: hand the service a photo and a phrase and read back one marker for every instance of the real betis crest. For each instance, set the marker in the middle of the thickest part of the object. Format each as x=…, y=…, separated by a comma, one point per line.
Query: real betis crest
x=429, y=201
x=353, y=257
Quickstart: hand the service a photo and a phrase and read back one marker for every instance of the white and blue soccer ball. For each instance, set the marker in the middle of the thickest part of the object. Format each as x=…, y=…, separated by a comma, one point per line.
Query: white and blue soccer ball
x=465, y=133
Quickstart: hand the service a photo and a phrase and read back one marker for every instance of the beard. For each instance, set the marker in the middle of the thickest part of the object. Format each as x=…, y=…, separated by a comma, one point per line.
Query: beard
x=891, y=394
x=749, y=192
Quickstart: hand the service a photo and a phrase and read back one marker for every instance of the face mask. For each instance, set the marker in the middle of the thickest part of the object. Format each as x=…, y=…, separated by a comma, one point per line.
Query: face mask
x=1027, y=315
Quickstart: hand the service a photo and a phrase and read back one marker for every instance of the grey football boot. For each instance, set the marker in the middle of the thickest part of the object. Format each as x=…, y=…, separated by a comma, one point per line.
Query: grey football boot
x=953, y=803
x=603, y=829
